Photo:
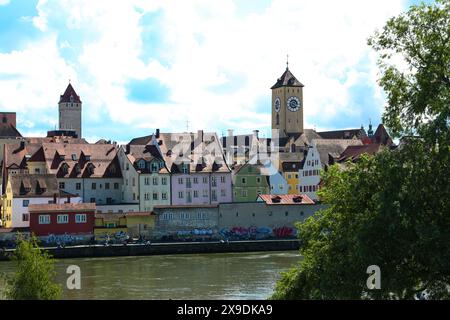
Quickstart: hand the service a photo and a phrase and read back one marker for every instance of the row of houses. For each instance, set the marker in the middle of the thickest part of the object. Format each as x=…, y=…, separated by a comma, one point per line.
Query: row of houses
x=271, y=216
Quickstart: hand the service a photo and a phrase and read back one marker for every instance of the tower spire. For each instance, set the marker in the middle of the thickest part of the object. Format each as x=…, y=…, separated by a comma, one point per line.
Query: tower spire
x=287, y=62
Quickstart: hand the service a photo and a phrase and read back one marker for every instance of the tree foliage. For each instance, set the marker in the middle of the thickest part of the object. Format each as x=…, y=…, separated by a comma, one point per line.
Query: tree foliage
x=392, y=209
x=418, y=93
x=34, y=273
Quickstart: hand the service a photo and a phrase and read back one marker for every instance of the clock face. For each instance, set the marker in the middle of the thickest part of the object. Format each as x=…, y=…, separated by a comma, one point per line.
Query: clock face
x=293, y=104
x=277, y=104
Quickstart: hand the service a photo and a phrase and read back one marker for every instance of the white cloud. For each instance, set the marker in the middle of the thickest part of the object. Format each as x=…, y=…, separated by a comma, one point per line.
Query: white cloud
x=205, y=43
x=4, y=2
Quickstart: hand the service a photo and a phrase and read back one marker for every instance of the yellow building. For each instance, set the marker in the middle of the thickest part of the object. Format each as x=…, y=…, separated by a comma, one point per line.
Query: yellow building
x=290, y=173
x=119, y=225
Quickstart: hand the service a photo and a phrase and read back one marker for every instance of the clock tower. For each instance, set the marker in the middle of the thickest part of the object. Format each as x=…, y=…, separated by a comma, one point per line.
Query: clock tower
x=287, y=105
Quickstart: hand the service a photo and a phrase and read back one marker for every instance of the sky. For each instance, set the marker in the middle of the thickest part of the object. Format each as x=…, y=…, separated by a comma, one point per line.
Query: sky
x=139, y=65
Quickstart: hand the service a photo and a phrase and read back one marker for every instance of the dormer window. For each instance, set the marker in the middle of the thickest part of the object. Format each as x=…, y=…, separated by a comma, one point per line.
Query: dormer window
x=77, y=169
x=155, y=167
x=141, y=164
x=112, y=169
x=184, y=168
x=90, y=169
x=74, y=157
x=62, y=157
x=65, y=168
x=87, y=157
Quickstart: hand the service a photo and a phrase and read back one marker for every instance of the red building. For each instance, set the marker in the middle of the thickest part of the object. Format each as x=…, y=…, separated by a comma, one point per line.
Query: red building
x=57, y=219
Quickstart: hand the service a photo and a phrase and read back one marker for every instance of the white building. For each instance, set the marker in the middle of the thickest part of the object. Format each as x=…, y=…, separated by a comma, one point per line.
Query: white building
x=309, y=174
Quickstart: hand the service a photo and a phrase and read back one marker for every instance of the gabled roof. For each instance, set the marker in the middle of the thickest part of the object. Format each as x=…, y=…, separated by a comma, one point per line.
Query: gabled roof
x=79, y=159
x=353, y=153
x=333, y=148
x=382, y=136
x=287, y=79
x=38, y=185
x=202, y=151
x=16, y=154
x=8, y=130
x=70, y=92
x=141, y=140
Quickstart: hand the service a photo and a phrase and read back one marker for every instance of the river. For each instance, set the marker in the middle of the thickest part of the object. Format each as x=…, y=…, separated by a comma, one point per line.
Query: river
x=194, y=276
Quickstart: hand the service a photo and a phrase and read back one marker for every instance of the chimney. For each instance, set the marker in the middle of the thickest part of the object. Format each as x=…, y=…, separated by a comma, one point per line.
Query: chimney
x=157, y=134
x=127, y=149
x=200, y=135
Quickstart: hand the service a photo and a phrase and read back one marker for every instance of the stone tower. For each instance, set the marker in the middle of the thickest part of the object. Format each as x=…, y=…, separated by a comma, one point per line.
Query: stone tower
x=70, y=111
x=287, y=105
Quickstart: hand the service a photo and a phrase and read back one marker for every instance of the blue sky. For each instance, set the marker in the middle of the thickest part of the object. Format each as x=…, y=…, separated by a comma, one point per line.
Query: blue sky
x=140, y=65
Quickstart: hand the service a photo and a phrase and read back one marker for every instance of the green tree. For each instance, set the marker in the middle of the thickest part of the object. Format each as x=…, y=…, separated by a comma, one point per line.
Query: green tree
x=392, y=209
x=35, y=268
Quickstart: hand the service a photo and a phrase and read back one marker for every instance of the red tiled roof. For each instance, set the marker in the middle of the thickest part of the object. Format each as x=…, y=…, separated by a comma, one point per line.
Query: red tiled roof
x=34, y=208
x=298, y=199
x=354, y=152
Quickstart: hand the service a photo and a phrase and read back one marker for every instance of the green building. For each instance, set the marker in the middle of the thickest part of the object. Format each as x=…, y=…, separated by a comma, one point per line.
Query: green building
x=249, y=182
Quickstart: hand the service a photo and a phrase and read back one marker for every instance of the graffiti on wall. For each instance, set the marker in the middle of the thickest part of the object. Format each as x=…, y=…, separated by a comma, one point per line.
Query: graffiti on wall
x=63, y=239
x=254, y=233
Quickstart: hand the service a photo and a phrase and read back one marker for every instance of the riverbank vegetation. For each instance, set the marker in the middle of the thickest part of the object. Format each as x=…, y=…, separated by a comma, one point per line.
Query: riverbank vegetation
x=390, y=210
x=34, y=272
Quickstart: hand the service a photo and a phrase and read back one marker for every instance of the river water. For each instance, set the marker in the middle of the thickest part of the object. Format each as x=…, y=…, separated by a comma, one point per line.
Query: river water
x=194, y=276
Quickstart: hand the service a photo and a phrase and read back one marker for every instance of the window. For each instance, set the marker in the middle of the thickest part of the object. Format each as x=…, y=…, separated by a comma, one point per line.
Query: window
x=25, y=203
x=289, y=176
x=147, y=181
x=222, y=179
x=184, y=168
x=163, y=196
x=106, y=185
x=25, y=217
x=134, y=196
x=195, y=180
x=180, y=180
x=37, y=170
x=258, y=180
x=133, y=181
x=127, y=166
x=155, y=181
x=164, y=181
x=180, y=195
x=94, y=186
x=44, y=219
x=223, y=193
x=141, y=164
x=116, y=185
x=188, y=183
x=62, y=218
x=62, y=185
x=205, y=180
x=155, y=196
x=80, y=218
x=213, y=182
x=195, y=193
x=92, y=200
x=205, y=193
x=78, y=186
x=155, y=167
x=244, y=180
x=213, y=195
x=109, y=200
x=146, y=196
x=244, y=193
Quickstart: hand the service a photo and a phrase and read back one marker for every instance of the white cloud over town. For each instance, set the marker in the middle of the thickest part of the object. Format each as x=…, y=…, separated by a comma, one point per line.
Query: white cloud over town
x=216, y=63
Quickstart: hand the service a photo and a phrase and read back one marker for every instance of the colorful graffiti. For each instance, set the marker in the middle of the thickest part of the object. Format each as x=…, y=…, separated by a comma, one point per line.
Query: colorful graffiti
x=254, y=233
x=63, y=239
